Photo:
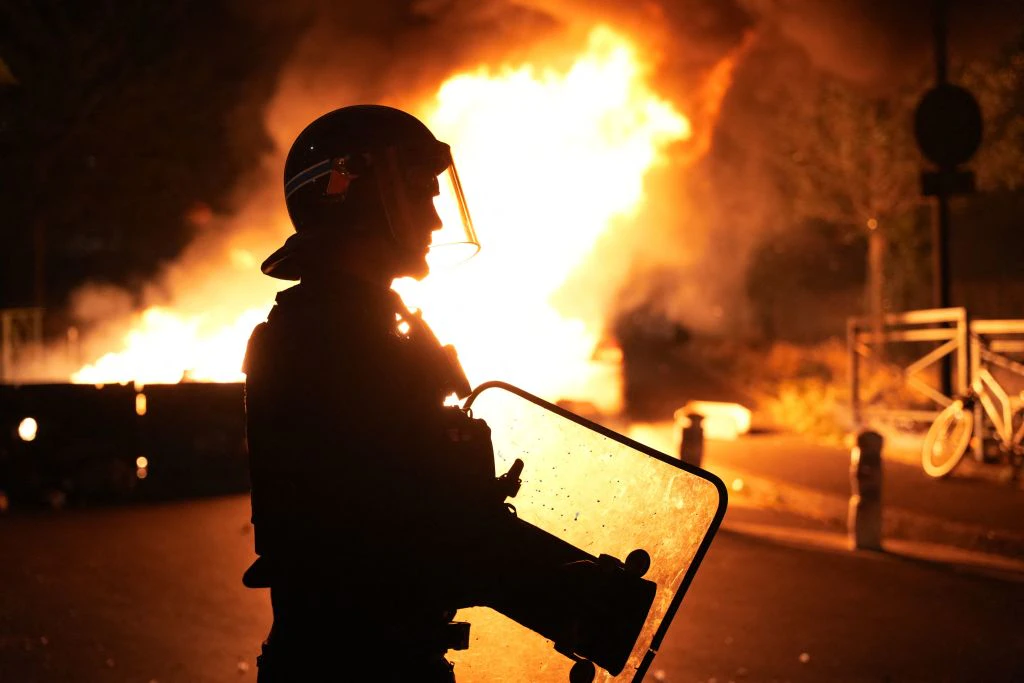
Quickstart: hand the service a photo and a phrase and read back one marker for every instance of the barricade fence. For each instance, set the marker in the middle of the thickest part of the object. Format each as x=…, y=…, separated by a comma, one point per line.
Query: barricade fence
x=915, y=349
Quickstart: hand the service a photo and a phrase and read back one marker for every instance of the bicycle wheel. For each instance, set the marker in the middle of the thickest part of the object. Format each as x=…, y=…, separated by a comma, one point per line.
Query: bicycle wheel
x=947, y=439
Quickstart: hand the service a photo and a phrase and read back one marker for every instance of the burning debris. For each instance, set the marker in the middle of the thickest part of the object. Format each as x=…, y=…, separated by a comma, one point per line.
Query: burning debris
x=585, y=128
x=554, y=158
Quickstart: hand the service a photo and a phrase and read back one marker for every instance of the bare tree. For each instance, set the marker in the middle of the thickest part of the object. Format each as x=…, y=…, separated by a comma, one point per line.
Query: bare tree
x=849, y=158
x=998, y=85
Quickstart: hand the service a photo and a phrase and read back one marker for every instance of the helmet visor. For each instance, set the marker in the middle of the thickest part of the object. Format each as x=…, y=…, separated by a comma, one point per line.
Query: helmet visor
x=416, y=195
x=456, y=241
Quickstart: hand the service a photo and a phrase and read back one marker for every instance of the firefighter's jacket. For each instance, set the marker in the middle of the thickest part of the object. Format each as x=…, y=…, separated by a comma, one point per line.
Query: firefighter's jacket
x=368, y=494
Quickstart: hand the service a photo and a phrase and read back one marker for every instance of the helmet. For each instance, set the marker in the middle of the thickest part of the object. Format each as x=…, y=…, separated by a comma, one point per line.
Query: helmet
x=369, y=169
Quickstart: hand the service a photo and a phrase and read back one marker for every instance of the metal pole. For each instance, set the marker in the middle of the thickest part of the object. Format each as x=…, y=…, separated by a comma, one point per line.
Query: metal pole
x=978, y=444
x=6, y=345
x=851, y=345
x=39, y=263
x=964, y=352
x=940, y=254
x=941, y=217
x=940, y=269
x=940, y=32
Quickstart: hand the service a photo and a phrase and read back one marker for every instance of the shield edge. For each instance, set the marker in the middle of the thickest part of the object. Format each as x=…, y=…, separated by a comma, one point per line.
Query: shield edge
x=716, y=521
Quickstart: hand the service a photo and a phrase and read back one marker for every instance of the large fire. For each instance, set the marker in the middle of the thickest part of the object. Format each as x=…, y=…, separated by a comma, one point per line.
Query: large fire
x=550, y=160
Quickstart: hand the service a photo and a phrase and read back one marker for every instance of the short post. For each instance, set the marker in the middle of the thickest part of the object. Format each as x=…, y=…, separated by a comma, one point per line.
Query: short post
x=864, y=523
x=691, y=444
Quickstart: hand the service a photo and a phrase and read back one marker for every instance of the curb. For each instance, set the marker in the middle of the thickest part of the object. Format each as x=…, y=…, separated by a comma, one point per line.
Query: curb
x=762, y=492
x=998, y=566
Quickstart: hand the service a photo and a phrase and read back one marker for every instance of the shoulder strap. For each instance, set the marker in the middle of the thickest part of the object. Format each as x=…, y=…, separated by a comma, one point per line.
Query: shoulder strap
x=454, y=379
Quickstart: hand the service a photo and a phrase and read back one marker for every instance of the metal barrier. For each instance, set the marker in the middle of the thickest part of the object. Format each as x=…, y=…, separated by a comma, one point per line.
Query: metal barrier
x=946, y=327
x=972, y=345
x=992, y=343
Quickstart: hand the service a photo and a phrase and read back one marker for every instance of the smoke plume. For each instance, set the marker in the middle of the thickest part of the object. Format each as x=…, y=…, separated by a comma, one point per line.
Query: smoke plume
x=685, y=255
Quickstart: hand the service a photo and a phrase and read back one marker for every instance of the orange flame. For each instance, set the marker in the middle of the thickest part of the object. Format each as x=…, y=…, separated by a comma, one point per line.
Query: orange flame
x=168, y=348
x=550, y=160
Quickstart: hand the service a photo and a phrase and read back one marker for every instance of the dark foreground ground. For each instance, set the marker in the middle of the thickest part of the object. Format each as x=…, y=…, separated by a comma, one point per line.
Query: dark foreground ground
x=153, y=593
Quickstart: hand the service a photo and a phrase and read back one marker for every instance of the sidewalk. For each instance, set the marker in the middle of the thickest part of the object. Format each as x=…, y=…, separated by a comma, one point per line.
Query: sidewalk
x=973, y=509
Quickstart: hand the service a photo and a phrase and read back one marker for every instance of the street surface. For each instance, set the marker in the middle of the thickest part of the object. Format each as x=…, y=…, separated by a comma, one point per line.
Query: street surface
x=975, y=508
x=153, y=593
x=965, y=496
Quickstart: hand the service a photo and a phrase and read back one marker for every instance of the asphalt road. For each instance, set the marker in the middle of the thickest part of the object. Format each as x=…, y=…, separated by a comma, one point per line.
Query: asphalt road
x=965, y=497
x=153, y=593
x=976, y=508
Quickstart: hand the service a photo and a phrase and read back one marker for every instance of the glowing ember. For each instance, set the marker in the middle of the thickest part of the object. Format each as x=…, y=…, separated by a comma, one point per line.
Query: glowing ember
x=550, y=160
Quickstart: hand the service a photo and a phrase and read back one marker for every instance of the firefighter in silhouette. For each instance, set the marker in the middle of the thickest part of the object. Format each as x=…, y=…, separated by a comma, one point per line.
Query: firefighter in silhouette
x=361, y=524
x=375, y=503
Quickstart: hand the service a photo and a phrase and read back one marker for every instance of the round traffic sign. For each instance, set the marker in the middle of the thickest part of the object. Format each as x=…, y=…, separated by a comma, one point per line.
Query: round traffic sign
x=947, y=125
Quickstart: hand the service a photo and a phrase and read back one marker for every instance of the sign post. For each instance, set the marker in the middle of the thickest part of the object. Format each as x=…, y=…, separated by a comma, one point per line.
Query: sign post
x=948, y=129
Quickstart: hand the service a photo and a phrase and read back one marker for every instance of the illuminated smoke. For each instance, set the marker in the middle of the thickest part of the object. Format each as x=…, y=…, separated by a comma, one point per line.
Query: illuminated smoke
x=215, y=289
x=682, y=253
x=879, y=42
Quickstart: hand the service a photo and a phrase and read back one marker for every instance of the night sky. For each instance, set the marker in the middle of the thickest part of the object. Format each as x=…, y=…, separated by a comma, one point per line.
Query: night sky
x=124, y=120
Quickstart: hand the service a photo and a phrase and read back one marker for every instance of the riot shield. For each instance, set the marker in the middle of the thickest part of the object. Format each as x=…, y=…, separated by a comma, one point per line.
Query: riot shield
x=588, y=493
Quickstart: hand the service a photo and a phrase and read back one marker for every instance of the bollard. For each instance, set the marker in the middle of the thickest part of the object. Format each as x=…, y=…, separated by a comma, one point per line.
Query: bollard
x=691, y=444
x=864, y=523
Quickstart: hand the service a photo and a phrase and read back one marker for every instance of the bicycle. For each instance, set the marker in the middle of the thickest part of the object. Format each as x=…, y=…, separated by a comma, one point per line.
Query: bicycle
x=1001, y=418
